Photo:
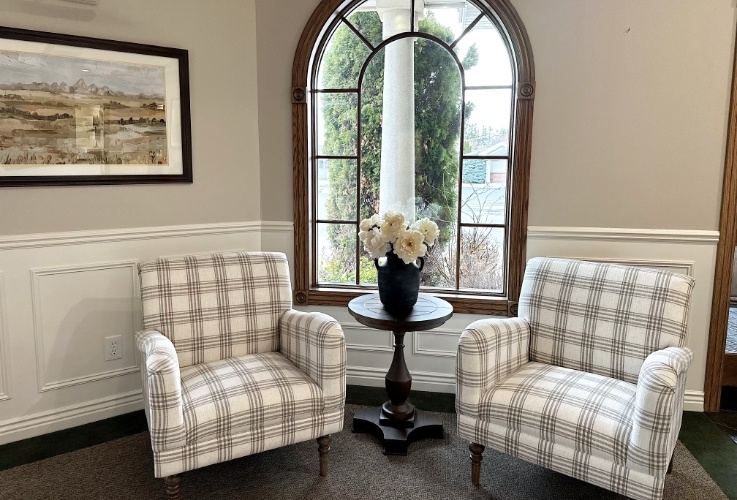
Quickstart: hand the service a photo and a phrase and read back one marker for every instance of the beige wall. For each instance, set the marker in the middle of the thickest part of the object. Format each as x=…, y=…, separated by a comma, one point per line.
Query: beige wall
x=631, y=111
x=220, y=38
x=630, y=114
x=279, y=25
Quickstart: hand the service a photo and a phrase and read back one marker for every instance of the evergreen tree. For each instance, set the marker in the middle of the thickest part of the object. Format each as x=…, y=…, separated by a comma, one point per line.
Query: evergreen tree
x=437, y=133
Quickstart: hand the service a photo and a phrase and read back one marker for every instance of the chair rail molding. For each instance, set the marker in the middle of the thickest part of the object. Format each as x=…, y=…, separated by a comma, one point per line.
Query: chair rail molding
x=623, y=234
x=41, y=240
x=277, y=226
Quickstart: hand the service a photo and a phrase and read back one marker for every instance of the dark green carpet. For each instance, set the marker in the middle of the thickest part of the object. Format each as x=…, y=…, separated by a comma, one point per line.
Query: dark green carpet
x=713, y=449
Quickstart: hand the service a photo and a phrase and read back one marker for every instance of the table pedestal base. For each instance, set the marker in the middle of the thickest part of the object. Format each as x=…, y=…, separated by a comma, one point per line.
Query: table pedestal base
x=397, y=439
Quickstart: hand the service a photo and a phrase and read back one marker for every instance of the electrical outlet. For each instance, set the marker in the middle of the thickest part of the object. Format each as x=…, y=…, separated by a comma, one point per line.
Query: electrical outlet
x=113, y=347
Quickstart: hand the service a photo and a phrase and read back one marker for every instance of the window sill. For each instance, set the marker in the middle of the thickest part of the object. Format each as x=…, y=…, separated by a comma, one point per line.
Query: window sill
x=462, y=303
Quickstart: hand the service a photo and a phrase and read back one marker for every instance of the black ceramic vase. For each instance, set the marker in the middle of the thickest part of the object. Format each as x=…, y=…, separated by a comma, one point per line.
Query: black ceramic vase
x=399, y=283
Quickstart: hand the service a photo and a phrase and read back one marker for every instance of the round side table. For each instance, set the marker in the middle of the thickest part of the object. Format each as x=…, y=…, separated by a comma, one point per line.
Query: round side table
x=397, y=423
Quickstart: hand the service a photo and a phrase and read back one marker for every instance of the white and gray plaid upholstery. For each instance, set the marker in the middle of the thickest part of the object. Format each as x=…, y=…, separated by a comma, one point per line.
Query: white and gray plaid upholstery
x=216, y=306
x=256, y=375
x=589, y=380
x=602, y=318
x=235, y=395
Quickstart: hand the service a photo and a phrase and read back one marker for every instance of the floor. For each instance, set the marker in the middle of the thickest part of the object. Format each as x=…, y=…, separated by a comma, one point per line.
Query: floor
x=704, y=436
x=726, y=419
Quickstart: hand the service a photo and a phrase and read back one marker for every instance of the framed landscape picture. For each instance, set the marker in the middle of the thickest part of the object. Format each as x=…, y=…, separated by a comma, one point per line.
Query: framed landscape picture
x=78, y=110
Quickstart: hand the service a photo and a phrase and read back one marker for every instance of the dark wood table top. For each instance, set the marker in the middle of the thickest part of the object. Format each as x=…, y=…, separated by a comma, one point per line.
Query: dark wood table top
x=429, y=312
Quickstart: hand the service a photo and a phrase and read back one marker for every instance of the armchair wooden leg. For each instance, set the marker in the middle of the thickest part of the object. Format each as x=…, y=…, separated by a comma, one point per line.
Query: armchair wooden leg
x=670, y=464
x=323, y=449
x=172, y=486
x=476, y=451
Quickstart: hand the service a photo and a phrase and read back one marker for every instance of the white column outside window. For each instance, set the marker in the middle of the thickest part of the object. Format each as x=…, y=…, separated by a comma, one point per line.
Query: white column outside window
x=397, y=187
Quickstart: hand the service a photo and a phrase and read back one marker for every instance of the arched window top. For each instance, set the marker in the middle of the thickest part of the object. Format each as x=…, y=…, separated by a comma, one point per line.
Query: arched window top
x=468, y=156
x=330, y=14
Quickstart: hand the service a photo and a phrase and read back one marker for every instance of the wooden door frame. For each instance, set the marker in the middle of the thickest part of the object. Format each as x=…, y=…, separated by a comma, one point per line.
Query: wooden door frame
x=724, y=261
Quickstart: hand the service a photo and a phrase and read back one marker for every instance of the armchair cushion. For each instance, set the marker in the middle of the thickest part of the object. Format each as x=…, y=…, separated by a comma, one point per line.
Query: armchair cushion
x=582, y=411
x=236, y=395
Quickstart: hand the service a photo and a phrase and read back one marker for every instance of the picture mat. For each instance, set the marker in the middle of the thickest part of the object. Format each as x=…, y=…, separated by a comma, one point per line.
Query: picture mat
x=172, y=107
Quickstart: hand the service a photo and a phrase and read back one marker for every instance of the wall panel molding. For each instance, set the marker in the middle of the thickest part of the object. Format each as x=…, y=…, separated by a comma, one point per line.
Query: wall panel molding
x=681, y=266
x=451, y=335
x=5, y=391
x=387, y=346
x=59, y=384
x=37, y=274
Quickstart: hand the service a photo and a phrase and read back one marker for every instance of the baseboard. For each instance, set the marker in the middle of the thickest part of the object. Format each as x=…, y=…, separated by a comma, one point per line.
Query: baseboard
x=44, y=422
x=694, y=401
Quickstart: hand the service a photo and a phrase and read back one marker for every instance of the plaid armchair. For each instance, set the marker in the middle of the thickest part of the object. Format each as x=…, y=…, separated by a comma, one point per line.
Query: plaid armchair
x=229, y=368
x=587, y=381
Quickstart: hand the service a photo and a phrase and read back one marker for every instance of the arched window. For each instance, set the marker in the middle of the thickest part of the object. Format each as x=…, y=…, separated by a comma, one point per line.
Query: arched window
x=424, y=107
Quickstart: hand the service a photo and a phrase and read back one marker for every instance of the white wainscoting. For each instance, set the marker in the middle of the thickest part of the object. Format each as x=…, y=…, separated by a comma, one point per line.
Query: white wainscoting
x=61, y=294
x=431, y=355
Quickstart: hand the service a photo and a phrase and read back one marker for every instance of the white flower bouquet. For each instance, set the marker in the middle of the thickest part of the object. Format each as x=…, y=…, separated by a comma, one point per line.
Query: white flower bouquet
x=392, y=234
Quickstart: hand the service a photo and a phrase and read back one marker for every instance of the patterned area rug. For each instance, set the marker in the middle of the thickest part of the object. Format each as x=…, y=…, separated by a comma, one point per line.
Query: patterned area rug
x=434, y=469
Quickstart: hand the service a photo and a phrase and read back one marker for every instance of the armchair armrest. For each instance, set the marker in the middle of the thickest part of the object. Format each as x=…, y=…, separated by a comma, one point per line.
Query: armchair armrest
x=658, y=410
x=489, y=350
x=162, y=389
x=314, y=343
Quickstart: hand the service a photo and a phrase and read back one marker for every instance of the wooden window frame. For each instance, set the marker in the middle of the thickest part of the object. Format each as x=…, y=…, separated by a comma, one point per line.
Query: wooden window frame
x=716, y=358
x=306, y=290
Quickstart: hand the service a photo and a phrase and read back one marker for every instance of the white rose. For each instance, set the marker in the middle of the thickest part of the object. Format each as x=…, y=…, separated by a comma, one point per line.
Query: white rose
x=428, y=229
x=409, y=246
x=367, y=224
x=375, y=244
x=392, y=226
